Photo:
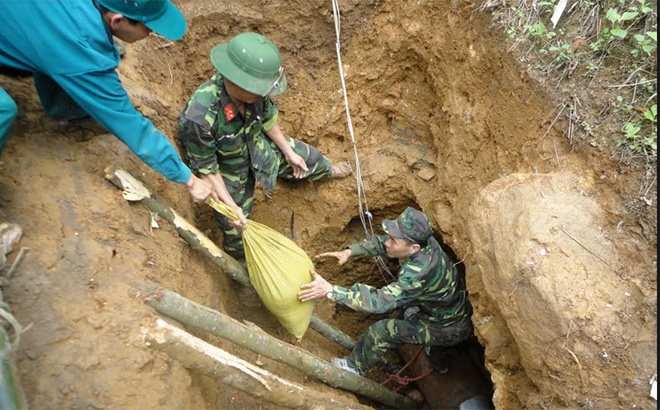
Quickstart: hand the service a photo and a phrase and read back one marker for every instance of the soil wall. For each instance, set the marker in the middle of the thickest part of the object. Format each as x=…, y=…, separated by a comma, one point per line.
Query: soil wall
x=441, y=112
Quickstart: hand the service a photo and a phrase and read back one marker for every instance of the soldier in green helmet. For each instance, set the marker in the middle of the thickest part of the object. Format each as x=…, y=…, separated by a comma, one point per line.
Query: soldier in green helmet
x=429, y=289
x=230, y=135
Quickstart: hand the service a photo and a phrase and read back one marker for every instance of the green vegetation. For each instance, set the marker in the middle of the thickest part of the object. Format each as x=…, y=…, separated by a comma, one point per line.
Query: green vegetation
x=611, y=46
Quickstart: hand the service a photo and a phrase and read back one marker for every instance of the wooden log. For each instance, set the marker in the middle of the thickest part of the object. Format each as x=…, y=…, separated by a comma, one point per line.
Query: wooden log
x=135, y=190
x=196, y=354
x=331, y=333
x=186, y=311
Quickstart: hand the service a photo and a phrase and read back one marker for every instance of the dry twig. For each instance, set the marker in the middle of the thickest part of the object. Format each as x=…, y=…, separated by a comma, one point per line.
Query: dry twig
x=553, y=121
x=570, y=325
x=14, y=265
x=578, y=363
x=590, y=251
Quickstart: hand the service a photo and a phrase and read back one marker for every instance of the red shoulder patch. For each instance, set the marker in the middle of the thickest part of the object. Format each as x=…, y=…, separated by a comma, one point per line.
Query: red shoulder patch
x=229, y=112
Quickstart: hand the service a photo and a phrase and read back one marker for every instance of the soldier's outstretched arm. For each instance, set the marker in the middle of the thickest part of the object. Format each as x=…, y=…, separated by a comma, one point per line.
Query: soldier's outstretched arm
x=342, y=256
x=102, y=96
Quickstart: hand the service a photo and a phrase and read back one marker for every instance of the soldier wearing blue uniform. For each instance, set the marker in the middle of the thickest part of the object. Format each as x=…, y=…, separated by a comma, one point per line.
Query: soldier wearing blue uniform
x=68, y=47
x=428, y=284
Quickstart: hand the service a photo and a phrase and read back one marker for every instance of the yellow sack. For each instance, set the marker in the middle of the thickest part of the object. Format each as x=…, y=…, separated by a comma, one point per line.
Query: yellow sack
x=277, y=268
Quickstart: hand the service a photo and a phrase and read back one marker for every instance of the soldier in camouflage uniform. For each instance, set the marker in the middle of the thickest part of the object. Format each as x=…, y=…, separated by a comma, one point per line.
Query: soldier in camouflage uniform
x=428, y=280
x=229, y=132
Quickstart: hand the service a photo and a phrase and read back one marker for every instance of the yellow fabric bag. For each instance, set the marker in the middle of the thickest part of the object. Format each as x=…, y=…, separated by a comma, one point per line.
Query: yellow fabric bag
x=277, y=268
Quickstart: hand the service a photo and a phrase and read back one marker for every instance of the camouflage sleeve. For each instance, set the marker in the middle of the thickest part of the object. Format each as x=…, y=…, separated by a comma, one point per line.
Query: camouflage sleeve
x=373, y=246
x=199, y=147
x=270, y=114
x=404, y=291
x=370, y=299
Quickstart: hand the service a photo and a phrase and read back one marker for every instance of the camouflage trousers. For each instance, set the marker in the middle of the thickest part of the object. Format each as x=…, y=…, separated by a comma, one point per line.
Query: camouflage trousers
x=419, y=329
x=241, y=189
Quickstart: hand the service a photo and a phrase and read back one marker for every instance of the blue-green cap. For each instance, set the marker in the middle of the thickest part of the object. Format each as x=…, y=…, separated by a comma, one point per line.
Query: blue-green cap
x=412, y=225
x=160, y=16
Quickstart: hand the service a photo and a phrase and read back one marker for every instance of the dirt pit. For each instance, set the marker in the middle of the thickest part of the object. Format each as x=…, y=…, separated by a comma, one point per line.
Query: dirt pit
x=445, y=120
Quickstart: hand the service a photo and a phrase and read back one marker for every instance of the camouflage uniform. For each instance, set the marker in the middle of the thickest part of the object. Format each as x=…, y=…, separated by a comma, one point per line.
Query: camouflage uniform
x=217, y=139
x=427, y=279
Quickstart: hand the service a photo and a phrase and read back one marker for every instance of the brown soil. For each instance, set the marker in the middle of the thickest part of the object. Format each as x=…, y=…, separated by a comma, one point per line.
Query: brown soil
x=440, y=111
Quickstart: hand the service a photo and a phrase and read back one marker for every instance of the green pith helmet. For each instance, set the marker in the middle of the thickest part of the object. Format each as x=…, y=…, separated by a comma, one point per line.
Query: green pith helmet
x=160, y=16
x=252, y=62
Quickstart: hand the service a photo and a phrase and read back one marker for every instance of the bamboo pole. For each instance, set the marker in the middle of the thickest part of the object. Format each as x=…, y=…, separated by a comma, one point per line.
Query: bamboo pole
x=186, y=311
x=196, y=354
x=135, y=190
x=331, y=333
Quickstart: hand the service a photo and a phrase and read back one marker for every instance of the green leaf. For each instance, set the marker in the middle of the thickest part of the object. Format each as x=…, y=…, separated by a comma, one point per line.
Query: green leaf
x=619, y=98
x=653, y=35
x=612, y=15
x=654, y=145
x=647, y=48
x=632, y=129
x=639, y=37
x=652, y=113
x=540, y=28
x=629, y=15
x=646, y=10
x=618, y=32
x=649, y=116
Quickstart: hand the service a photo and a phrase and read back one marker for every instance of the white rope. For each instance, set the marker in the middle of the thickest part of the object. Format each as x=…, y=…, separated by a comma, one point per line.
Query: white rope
x=363, y=206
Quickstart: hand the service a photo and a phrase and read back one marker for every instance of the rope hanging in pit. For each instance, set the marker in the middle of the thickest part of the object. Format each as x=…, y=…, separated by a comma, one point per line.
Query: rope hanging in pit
x=363, y=206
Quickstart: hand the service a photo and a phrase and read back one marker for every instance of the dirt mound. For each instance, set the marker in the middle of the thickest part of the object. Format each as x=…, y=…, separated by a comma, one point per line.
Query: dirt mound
x=576, y=321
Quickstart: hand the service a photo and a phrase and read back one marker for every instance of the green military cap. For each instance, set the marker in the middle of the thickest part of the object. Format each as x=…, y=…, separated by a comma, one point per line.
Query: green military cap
x=160, y=16
x=412, y=225
x=252, y=62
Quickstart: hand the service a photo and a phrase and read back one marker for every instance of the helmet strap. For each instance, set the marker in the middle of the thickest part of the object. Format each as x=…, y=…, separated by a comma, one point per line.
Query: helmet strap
x=276, y=84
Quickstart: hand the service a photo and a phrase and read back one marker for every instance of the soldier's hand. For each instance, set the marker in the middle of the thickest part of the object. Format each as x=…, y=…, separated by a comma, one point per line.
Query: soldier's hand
x=241, y=222
x=199, y=189
x=317, y=288
x=342, y=256
x=298, y=164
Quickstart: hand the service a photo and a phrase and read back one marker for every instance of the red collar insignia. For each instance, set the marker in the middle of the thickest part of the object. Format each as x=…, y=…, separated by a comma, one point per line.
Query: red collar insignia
x=229, y=112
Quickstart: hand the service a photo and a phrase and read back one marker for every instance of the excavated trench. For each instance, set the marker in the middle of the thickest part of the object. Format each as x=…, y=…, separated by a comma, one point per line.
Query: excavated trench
x=445, y=121
x=402, y=111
